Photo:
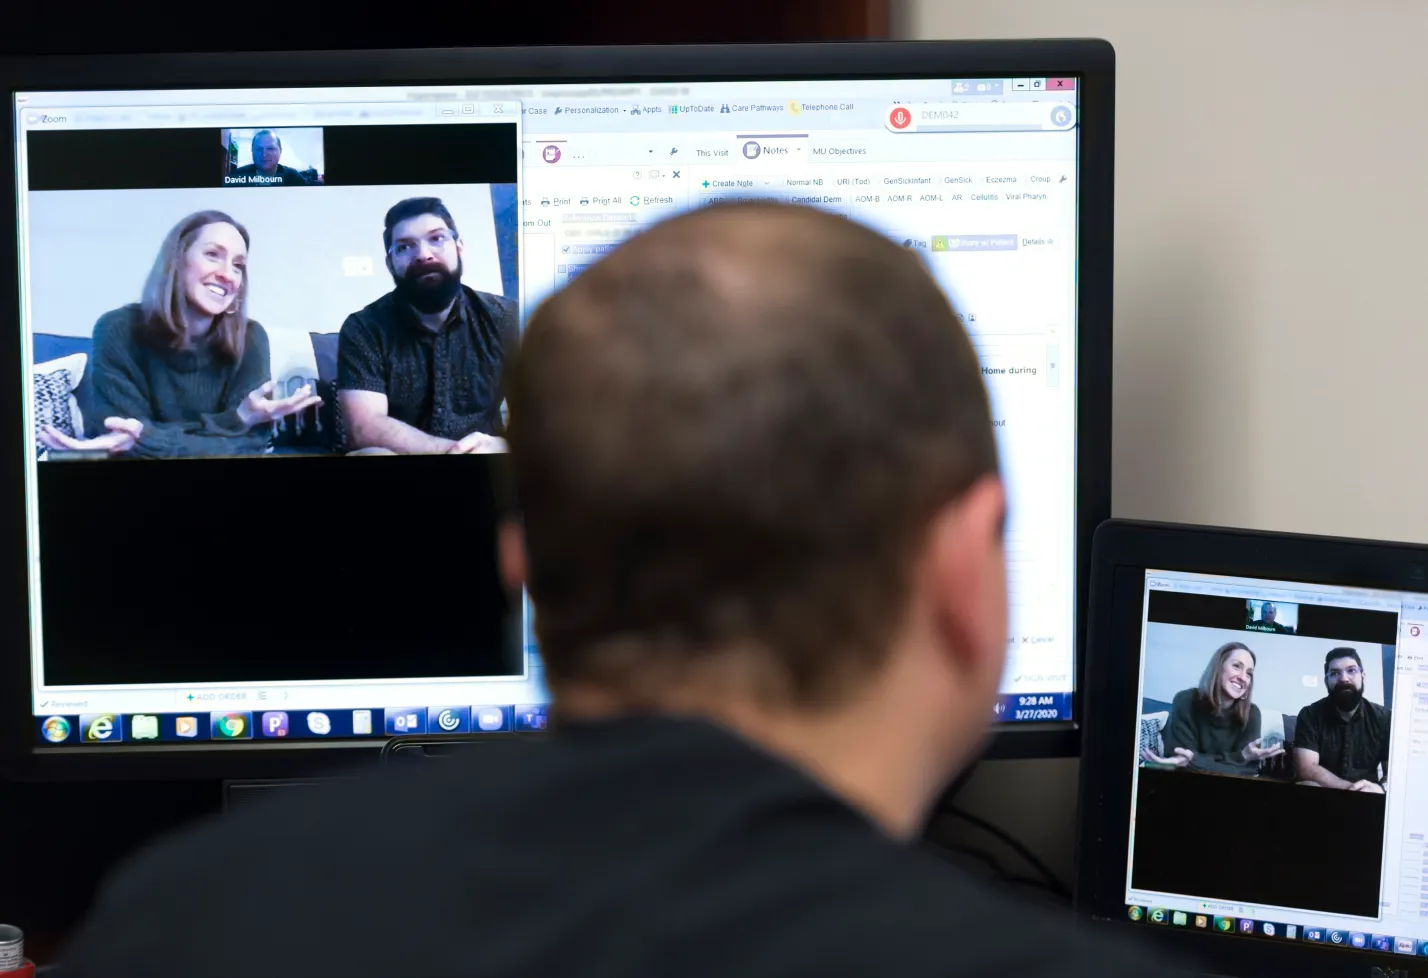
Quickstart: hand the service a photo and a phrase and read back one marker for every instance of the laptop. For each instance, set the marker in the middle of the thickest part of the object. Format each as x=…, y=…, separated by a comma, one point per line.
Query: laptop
x=1254, y=789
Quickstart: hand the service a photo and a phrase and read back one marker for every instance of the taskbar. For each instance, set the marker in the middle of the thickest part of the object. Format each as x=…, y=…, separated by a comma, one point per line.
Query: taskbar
x=1032, y=708
x=1276, y=931
x=98, y=729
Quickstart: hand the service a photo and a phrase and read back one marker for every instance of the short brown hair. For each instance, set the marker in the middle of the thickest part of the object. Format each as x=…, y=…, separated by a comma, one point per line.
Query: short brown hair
x=163, y=291
x=732, y=433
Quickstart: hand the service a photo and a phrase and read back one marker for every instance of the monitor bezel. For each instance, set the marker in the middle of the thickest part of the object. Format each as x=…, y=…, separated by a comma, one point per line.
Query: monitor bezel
x=1092, y=62
x=1122, y=551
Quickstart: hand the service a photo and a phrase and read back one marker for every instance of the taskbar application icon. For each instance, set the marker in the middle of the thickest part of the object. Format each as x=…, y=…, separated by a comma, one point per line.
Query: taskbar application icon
x=448, y=719
x=231, y=726
x=55, y=729
x=405, y=720
x=492, y=719
x=531, y=718
x=101, y=728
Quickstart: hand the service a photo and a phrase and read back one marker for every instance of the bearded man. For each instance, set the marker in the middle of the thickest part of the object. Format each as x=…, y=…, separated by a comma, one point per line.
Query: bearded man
x=419, y=370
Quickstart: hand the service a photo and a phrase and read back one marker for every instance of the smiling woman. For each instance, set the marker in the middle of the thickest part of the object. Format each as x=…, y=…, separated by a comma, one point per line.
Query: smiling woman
x=184, y=371
x=1216, y=726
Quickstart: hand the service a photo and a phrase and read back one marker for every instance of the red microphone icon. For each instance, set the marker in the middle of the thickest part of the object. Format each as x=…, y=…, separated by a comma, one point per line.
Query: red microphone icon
x=900, y=117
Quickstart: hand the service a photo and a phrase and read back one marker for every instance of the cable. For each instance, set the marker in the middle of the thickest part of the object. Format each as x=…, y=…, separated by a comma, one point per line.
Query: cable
x=958, y=783
x=999, y=872
x=1052, y=882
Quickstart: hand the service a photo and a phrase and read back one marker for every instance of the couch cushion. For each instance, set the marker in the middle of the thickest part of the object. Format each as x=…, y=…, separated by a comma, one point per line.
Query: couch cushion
x=55, y=404
x=48, y=346
x=324, y=348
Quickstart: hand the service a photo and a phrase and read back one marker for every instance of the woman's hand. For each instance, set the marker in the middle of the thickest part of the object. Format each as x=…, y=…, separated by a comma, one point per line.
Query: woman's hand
x=259, y=407
x=1255, y=753
x=123, y=435
x=1179, y=758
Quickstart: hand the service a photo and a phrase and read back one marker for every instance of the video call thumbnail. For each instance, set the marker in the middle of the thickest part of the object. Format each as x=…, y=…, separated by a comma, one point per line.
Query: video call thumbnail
x=369, y=308
x=1278, y=709
x=1279, y=618
x=272, y=157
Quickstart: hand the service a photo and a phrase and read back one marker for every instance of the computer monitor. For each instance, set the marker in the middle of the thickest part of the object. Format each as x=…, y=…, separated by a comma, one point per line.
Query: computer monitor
x=210, y=249
x=1254, y=767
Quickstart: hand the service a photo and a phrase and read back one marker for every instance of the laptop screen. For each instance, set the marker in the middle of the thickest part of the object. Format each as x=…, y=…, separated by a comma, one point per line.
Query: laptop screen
x=1281, y=762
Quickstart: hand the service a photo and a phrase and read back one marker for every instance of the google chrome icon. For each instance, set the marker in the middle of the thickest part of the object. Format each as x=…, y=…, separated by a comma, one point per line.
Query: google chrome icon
x=56, y=730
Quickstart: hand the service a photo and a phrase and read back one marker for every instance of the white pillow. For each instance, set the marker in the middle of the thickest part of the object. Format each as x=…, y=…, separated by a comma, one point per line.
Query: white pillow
x=55, y=382
x=290, y=354
x=1151, y=727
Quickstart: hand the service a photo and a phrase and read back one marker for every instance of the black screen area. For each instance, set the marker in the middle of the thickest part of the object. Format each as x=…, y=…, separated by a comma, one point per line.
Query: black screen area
x=272, y=570
x=1254, y=841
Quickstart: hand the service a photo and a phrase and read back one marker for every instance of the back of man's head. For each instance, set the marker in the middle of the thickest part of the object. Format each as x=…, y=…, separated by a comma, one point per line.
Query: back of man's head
x=729, y=438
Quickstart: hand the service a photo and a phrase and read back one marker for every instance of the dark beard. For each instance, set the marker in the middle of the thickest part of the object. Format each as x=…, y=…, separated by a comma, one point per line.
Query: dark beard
x=1346, y=697
x=429, y=297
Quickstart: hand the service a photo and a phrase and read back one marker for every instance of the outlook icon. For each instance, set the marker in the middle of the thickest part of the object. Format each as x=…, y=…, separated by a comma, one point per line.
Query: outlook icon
x=406, y=720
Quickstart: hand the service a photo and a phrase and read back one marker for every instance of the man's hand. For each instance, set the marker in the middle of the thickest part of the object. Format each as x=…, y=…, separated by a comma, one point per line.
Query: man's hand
x=1372, y=787
x=1180, y=758
x=477, y=443
x=123, y=435
x=259, y=407
x=1254, y=752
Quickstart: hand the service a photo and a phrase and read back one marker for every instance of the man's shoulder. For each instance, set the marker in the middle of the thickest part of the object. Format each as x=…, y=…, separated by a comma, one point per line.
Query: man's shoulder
x=1315, y=711
x=498, y=307
x=931, y=919
x=817, y=894
x=332, y=838
x=375, y=317
x=1378, y=712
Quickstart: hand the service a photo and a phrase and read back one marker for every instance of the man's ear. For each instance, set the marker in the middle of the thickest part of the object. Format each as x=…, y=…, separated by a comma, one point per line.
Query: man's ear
x=460, y=250
x=511, y=554
x=965, y=570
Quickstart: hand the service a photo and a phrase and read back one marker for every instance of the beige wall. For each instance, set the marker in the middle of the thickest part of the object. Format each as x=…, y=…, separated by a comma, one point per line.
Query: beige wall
x=1271, y=253
x=1271, y=365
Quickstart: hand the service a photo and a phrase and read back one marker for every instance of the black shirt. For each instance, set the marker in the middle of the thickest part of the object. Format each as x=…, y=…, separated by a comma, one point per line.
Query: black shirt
x=638, y=847
x=284, y=176
x=445, y=383
x=1218, y=741
x=1352, y=749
